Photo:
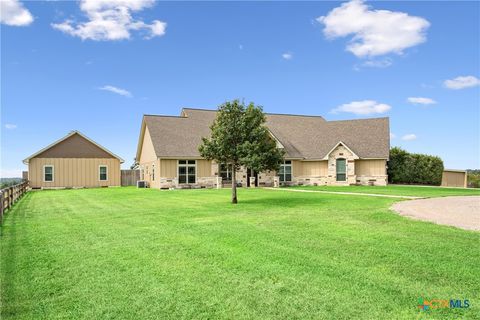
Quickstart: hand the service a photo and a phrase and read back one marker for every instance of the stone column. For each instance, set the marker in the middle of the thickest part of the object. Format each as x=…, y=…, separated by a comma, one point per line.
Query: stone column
x=252, y=182
x=276, y=181
x=219, y=182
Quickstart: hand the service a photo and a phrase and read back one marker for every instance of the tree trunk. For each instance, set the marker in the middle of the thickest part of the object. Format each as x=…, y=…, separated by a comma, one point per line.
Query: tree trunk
x=234, y=185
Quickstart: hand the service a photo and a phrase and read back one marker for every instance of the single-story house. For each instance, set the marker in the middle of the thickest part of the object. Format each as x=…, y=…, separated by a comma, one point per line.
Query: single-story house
x=317, y=151
x=74, y=161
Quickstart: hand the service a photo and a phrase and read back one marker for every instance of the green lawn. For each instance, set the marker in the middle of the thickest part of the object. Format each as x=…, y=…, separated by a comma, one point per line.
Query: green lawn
x=126, y=253
x=414, y=191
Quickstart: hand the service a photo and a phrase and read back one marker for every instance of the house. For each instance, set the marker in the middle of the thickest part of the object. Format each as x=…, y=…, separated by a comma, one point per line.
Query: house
x=74, y=161
x=317, y=151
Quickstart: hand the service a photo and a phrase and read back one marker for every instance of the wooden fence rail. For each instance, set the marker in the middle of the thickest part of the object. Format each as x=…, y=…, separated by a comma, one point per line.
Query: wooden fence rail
x=10, y=195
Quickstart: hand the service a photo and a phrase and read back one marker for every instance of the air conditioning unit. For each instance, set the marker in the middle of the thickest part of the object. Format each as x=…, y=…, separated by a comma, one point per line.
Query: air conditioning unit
x=142, y=184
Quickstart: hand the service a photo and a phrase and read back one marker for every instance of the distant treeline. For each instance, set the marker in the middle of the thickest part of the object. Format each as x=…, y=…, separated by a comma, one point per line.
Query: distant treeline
x=7, y=182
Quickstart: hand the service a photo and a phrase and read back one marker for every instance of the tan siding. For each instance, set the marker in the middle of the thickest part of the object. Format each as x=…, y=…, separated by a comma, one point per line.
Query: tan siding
x=314, y=168
x=297, y=168
x=148, y=152
x=69, y=172
x=204, y=168
x=454, y=179
x=168, y=168
x=370, y=167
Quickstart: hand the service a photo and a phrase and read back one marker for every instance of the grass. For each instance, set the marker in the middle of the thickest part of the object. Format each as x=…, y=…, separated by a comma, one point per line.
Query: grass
x=400, y=190
x=126, y=253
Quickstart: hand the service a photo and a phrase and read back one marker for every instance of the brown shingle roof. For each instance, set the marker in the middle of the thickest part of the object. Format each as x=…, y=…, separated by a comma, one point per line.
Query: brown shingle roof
x=306, y=137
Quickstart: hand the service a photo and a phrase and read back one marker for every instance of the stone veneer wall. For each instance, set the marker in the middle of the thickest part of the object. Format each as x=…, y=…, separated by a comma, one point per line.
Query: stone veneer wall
x=266, y=179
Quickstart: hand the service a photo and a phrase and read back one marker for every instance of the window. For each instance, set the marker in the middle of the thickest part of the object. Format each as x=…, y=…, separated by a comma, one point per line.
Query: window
x=285, y=172
x=341, y=169
x=102, y=170
x=48, y=173
x=153, y=172
x=187, y=171
x=226, y=172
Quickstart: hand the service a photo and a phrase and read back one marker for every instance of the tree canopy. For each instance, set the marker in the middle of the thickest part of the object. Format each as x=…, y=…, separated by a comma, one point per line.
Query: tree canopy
x=239, y=138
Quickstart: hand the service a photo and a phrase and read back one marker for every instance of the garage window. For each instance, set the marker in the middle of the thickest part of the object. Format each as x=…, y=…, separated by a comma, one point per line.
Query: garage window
x=103, y=173
x=48, y=173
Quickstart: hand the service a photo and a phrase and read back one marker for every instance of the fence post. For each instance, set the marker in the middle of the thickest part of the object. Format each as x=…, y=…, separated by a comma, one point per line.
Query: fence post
x=1, y=207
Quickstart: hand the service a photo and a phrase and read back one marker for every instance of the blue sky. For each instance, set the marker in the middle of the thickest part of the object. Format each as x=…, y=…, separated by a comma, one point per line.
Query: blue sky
x=98, y=67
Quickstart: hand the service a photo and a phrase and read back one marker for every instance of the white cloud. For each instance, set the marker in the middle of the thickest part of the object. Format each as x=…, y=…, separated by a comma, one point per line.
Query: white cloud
x=374, y=32
x=116, y=90
x=10, y=126
x=363, y=107
x=421, y=100
x=462, y=82
x=409, y=137
x=287, y=56
x=392, y=135
x=13, y=13
x=111, y=20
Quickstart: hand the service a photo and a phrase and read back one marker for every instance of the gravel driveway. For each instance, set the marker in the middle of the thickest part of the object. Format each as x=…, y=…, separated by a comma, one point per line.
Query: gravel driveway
x=461, y=212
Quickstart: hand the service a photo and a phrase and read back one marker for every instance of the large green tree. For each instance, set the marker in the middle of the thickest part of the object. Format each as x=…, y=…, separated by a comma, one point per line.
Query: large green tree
x=239, y=138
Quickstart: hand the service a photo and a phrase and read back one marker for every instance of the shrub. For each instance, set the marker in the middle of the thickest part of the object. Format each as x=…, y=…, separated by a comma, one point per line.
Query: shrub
x=414, y=168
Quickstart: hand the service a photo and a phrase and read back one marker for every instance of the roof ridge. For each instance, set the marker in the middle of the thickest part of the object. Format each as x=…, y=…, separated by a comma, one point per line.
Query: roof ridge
x=267, y=113
x=351, y=120
x=161, y=115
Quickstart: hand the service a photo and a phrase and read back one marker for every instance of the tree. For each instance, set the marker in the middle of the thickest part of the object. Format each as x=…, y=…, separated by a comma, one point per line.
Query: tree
x=239, y=138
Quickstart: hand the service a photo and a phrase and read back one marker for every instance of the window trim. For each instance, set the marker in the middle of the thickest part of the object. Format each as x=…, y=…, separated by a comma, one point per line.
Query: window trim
x=284, y=173
x=99, y=173
x=186, y=165
x=53, y=172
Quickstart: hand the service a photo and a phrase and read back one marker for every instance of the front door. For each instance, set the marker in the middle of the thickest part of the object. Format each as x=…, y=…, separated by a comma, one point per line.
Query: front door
x=341, y=170
x=252, y=173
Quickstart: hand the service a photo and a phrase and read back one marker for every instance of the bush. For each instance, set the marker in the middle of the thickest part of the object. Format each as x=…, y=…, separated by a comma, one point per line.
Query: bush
x=473, y=178
x=414, y=168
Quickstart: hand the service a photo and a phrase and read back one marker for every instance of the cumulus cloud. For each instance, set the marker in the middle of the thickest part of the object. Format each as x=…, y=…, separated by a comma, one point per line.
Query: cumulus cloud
x=374, y=32
x=409, y=137
x=462, y=82
x=421, y=100
x=10, y=126
x=13, y=13
x=363, y=107
x=112, y=20
x=287, y=56
x=117, y=90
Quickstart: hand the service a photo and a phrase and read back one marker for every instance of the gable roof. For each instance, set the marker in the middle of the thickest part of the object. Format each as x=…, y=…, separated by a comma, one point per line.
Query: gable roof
x=303, y=137
x=88, y=149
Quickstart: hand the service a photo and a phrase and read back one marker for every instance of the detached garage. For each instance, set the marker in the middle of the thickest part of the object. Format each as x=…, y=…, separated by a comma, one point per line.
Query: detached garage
x=454, y=178
x=75, y=161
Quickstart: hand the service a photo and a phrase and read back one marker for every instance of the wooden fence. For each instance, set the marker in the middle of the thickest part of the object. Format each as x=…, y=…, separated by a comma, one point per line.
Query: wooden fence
x=129, y=177
x=10, y=195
